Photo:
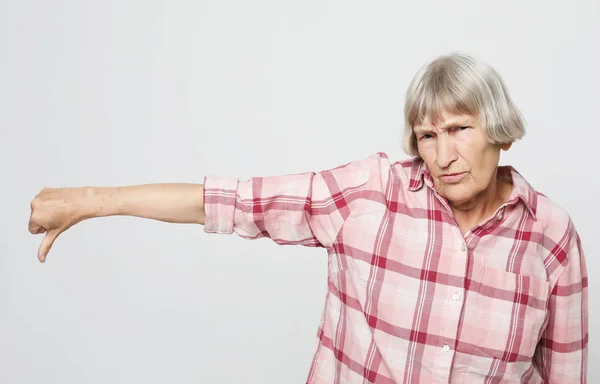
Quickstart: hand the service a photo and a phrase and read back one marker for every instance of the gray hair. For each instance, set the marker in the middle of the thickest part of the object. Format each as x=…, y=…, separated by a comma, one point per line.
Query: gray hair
x=461, y=84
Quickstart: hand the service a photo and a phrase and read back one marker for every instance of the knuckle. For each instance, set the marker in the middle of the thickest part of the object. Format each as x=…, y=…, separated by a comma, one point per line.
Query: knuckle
x=36, y=218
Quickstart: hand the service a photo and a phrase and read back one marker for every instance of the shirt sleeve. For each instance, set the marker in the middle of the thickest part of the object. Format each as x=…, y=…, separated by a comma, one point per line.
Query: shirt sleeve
x=305, y=209
x=563, y=348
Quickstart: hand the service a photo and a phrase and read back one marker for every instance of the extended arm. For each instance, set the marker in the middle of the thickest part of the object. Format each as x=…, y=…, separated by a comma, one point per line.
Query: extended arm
x=306, y=208
x=54, y=210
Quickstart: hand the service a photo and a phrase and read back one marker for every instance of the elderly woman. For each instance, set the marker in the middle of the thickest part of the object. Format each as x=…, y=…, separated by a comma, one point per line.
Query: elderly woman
x=445, y=267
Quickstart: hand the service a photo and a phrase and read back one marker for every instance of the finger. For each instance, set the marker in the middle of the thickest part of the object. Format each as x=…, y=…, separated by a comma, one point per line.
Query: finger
x=35, y=228
x=34, y=221
x=47, y=243
x=40, y=230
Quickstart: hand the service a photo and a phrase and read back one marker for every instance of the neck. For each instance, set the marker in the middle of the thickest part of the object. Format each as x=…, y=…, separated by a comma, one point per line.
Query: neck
x=472, y=212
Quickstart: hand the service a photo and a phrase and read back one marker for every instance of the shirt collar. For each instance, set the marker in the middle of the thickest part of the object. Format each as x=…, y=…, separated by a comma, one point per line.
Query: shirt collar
x=522, y=190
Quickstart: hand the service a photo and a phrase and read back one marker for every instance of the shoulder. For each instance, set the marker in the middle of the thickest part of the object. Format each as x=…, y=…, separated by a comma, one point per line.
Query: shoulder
x=552, y=220
x=378, y=166
x=559, y=235
x=375, y=177
x=553, y=229
x=402, y=172
x=552, y=216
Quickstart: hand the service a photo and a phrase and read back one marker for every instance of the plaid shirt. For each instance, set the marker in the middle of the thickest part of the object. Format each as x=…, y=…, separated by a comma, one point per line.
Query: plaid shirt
x=410, y=299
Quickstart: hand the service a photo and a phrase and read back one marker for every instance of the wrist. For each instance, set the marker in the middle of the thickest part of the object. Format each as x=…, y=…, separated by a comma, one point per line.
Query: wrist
x=99, y=202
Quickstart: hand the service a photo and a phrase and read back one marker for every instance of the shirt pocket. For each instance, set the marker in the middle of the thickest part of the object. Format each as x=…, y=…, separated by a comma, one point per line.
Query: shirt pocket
x=504, y=314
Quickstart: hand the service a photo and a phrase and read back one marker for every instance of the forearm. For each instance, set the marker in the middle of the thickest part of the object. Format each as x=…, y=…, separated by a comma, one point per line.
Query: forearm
x=169, y=202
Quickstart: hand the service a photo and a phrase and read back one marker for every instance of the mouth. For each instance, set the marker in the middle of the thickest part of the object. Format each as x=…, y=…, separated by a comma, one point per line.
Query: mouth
x=452, y=178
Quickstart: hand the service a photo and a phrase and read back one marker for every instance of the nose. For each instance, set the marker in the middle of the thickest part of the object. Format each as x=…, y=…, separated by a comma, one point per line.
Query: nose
x=446, y=153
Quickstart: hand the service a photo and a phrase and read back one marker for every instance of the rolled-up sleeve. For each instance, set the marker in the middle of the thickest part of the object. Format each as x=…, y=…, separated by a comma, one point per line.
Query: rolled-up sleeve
x=298, y=209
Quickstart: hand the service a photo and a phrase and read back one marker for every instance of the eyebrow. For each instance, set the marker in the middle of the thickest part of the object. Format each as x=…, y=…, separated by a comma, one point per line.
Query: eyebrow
x=451, y=124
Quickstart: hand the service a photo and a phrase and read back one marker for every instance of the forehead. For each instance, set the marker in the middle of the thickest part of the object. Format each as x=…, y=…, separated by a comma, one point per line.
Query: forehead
x=445, y=120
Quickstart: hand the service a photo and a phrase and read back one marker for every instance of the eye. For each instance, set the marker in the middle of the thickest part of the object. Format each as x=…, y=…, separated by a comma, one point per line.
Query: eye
x=456, y=129
x=425, y=136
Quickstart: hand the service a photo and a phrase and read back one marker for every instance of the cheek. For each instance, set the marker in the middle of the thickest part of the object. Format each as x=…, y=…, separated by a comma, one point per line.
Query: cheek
x=426, y=147
x=427, y=154
x=482, y=169
x=479, y=157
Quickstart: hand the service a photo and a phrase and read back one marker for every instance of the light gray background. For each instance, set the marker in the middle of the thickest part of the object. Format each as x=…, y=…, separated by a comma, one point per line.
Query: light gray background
x=125, y=92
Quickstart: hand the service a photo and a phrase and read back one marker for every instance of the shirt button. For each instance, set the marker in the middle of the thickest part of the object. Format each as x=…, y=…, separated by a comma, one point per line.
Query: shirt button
x=446, y=348
x=455, y=297
x=463, y=247
x=499, y=215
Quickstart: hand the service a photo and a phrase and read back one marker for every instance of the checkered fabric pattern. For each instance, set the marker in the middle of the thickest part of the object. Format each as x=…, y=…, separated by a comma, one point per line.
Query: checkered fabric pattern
x=410, y=298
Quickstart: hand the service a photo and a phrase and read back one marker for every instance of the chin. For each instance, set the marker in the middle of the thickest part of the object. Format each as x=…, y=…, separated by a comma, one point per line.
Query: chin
x=455, y=194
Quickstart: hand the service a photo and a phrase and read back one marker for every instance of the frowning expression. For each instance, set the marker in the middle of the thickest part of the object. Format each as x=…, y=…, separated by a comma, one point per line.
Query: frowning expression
x=461, y=159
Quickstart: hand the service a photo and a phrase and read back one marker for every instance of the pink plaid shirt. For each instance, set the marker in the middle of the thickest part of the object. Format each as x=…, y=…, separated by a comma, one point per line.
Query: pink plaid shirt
x=411, y=299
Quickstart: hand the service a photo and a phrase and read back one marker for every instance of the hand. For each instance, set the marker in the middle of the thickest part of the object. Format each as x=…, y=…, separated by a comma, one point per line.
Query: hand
x=54, y=210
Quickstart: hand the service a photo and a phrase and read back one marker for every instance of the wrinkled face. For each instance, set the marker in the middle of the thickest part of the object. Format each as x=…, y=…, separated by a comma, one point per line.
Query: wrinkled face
x=461, y=160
